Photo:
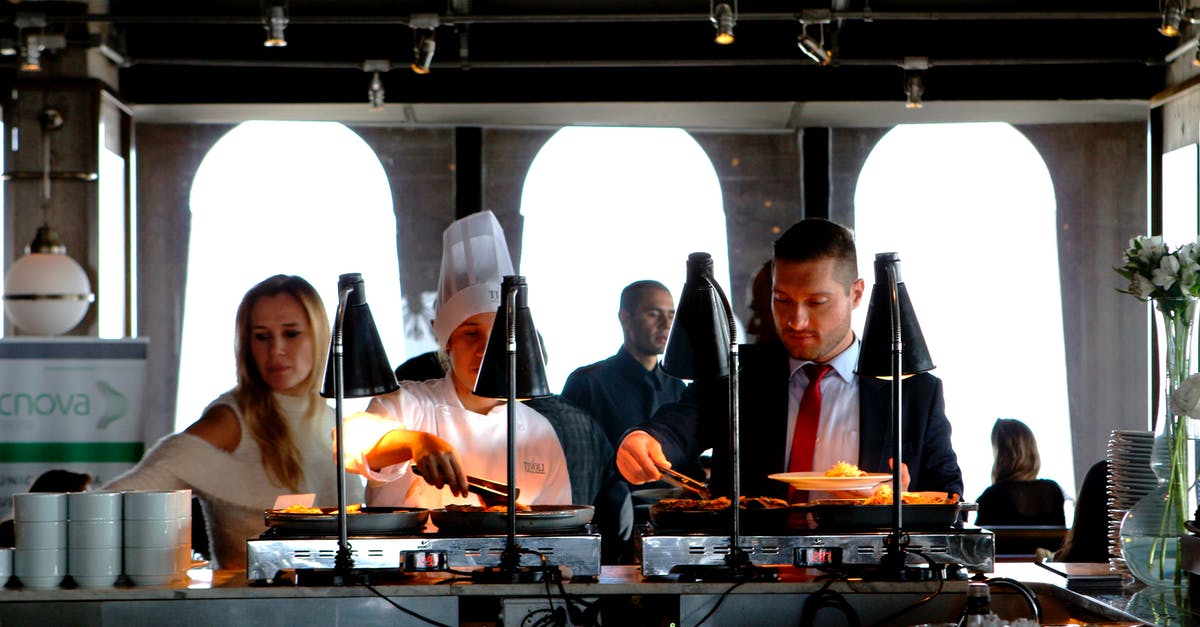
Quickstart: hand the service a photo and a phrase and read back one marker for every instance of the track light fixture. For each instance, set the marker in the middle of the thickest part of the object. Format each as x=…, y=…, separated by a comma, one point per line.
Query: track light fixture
x=423, y=48
x=375, y=93
x=1173, y=12
x=914, y=88
x=31, y=52
x=812, y=47
x=275, y=20
x=723, y=17
x=375, y=90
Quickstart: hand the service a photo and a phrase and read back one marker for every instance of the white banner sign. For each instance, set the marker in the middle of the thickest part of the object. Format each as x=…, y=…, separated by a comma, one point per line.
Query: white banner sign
x=70, y=403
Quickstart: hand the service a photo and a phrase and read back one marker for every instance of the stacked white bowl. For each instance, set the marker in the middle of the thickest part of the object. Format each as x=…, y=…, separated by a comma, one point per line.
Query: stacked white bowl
x=94, y=538
x=158, y=535
x=6, y=565
x=40, y=527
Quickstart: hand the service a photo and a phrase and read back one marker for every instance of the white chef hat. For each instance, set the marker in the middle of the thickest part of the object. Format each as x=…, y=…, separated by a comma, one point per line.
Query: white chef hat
x=474, y=258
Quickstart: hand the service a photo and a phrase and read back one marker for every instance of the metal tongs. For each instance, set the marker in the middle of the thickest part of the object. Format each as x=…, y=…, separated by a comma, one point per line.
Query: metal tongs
x=681, y=480
x=491, y=493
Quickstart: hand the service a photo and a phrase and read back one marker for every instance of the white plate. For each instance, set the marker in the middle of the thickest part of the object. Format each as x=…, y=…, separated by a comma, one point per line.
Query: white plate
x=818, y=481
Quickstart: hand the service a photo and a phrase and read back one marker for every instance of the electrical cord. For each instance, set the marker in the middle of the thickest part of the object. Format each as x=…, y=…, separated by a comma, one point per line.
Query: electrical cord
x=1030, y=597
x=717, y=605
x=827, y=599
x=887, y=620
x=404, y=609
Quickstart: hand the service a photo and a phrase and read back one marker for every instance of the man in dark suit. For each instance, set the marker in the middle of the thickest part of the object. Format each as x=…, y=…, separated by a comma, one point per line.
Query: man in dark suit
x=815, y=289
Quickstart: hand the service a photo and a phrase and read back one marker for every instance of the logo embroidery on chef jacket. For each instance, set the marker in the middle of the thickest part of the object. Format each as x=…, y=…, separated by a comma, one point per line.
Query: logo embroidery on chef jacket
x=535, y=467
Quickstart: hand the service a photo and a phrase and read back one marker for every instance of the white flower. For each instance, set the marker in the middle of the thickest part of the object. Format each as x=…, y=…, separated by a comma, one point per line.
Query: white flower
x=1186, y=398
x=1148, y=249
x=1140, y=286
x=1189, y=277
x=1167, y=272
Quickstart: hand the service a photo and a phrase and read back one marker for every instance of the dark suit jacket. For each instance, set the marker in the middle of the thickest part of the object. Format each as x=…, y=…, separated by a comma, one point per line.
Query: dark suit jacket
x=700, y=421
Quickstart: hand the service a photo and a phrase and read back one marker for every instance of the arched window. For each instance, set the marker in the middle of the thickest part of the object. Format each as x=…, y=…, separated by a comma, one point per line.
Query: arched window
x=303, y=198
x=970, y=209
x=604, y=207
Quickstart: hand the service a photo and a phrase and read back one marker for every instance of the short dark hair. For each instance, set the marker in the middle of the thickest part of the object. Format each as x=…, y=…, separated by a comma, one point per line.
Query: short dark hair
x=816, y=238
x=631, y=296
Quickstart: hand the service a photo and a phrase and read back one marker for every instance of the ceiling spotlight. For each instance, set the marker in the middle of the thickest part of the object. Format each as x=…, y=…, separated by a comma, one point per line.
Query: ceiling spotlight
x=423, y=51
x=375, y=93
x=275, y=20
x=31, y=52
x=723, y=18
x=1172, y=18
x=812, y=47
x=914, y=88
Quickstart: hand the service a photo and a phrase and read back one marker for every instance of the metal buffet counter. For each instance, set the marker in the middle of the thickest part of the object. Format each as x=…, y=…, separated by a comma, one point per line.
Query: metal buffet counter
x=621, y=593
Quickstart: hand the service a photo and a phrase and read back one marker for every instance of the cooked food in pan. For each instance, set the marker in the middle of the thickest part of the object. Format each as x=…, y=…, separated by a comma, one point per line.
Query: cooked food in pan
x=521, y=507
x=719, y=503
x=355, y=508
x=883, y=496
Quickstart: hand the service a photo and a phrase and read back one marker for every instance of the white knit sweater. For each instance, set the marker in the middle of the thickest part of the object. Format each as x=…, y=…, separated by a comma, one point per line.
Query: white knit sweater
x=233, y=488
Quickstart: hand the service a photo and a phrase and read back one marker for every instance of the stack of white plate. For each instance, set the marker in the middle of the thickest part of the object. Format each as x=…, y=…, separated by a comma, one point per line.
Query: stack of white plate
x=1129, y=479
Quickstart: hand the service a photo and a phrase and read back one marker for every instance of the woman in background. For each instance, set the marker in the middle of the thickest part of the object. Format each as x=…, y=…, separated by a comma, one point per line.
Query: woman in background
x=267, y=437
x=1017, y=496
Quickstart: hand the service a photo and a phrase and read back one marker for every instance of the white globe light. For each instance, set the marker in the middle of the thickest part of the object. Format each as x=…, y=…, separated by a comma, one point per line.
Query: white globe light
x=46, y=293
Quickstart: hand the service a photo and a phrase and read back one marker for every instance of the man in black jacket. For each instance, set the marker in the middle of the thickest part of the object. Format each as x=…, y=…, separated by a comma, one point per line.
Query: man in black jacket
x=815, y=289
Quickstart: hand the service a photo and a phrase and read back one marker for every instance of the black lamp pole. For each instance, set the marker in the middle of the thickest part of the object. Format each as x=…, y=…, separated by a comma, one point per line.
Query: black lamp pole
x=343, y=562
x=894, y=552
x=703, y=345
x=370, y=375
x=522, y=374
x=886, y=355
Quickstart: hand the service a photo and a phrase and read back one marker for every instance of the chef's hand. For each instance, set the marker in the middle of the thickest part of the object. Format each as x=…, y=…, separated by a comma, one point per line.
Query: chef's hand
x=636, y=458
x=903, y=473
x=436, y=458
x=438, y=463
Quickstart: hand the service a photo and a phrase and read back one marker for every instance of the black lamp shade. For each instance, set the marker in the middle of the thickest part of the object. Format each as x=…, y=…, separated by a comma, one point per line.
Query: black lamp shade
x=366, y=370
x=698, y=346
x=531, y=359
x=875, y=360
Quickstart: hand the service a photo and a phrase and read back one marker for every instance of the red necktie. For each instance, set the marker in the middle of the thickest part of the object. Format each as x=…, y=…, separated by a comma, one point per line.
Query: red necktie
x=804, y=436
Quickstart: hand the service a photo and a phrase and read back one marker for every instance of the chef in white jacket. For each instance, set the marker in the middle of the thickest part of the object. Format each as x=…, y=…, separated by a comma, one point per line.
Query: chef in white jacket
x=441, y=426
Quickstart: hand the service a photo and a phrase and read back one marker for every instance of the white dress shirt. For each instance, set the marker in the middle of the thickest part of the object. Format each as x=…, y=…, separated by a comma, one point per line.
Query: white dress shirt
x=837, y=433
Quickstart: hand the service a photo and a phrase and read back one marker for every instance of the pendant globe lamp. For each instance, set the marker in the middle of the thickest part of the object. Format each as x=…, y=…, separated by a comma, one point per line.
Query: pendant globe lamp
x=46, y=292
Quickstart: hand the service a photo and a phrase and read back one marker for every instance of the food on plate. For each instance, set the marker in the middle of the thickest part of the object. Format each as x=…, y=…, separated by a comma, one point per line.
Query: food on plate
x=355, y=508
x=719, y=503
x=521, y=507
x=843, y=469
x=883, y=496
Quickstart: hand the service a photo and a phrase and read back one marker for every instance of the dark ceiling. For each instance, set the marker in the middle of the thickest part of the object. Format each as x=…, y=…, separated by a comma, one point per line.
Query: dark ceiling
x=517, y=51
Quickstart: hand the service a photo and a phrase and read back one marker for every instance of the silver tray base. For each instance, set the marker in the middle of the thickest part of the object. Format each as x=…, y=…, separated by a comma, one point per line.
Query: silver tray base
x=970, y=547
x=267, y=557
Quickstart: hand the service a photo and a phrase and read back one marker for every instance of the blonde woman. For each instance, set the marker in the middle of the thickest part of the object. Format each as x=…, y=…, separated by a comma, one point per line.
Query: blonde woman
x=266, y=437
x=1017, y=496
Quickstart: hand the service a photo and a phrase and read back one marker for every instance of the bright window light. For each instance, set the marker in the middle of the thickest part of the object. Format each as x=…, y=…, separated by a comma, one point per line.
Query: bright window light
x=970, y=209
x=605, y=207
x=303, y=198
x=1180, y=172
x=111, y=236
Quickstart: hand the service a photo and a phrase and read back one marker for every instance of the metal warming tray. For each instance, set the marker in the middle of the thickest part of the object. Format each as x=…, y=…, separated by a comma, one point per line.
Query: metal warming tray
x=971, y=547
x=853, y=516
x=268, y=556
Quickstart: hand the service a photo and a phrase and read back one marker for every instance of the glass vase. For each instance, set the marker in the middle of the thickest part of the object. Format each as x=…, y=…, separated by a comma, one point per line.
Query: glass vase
x=1151, y=529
